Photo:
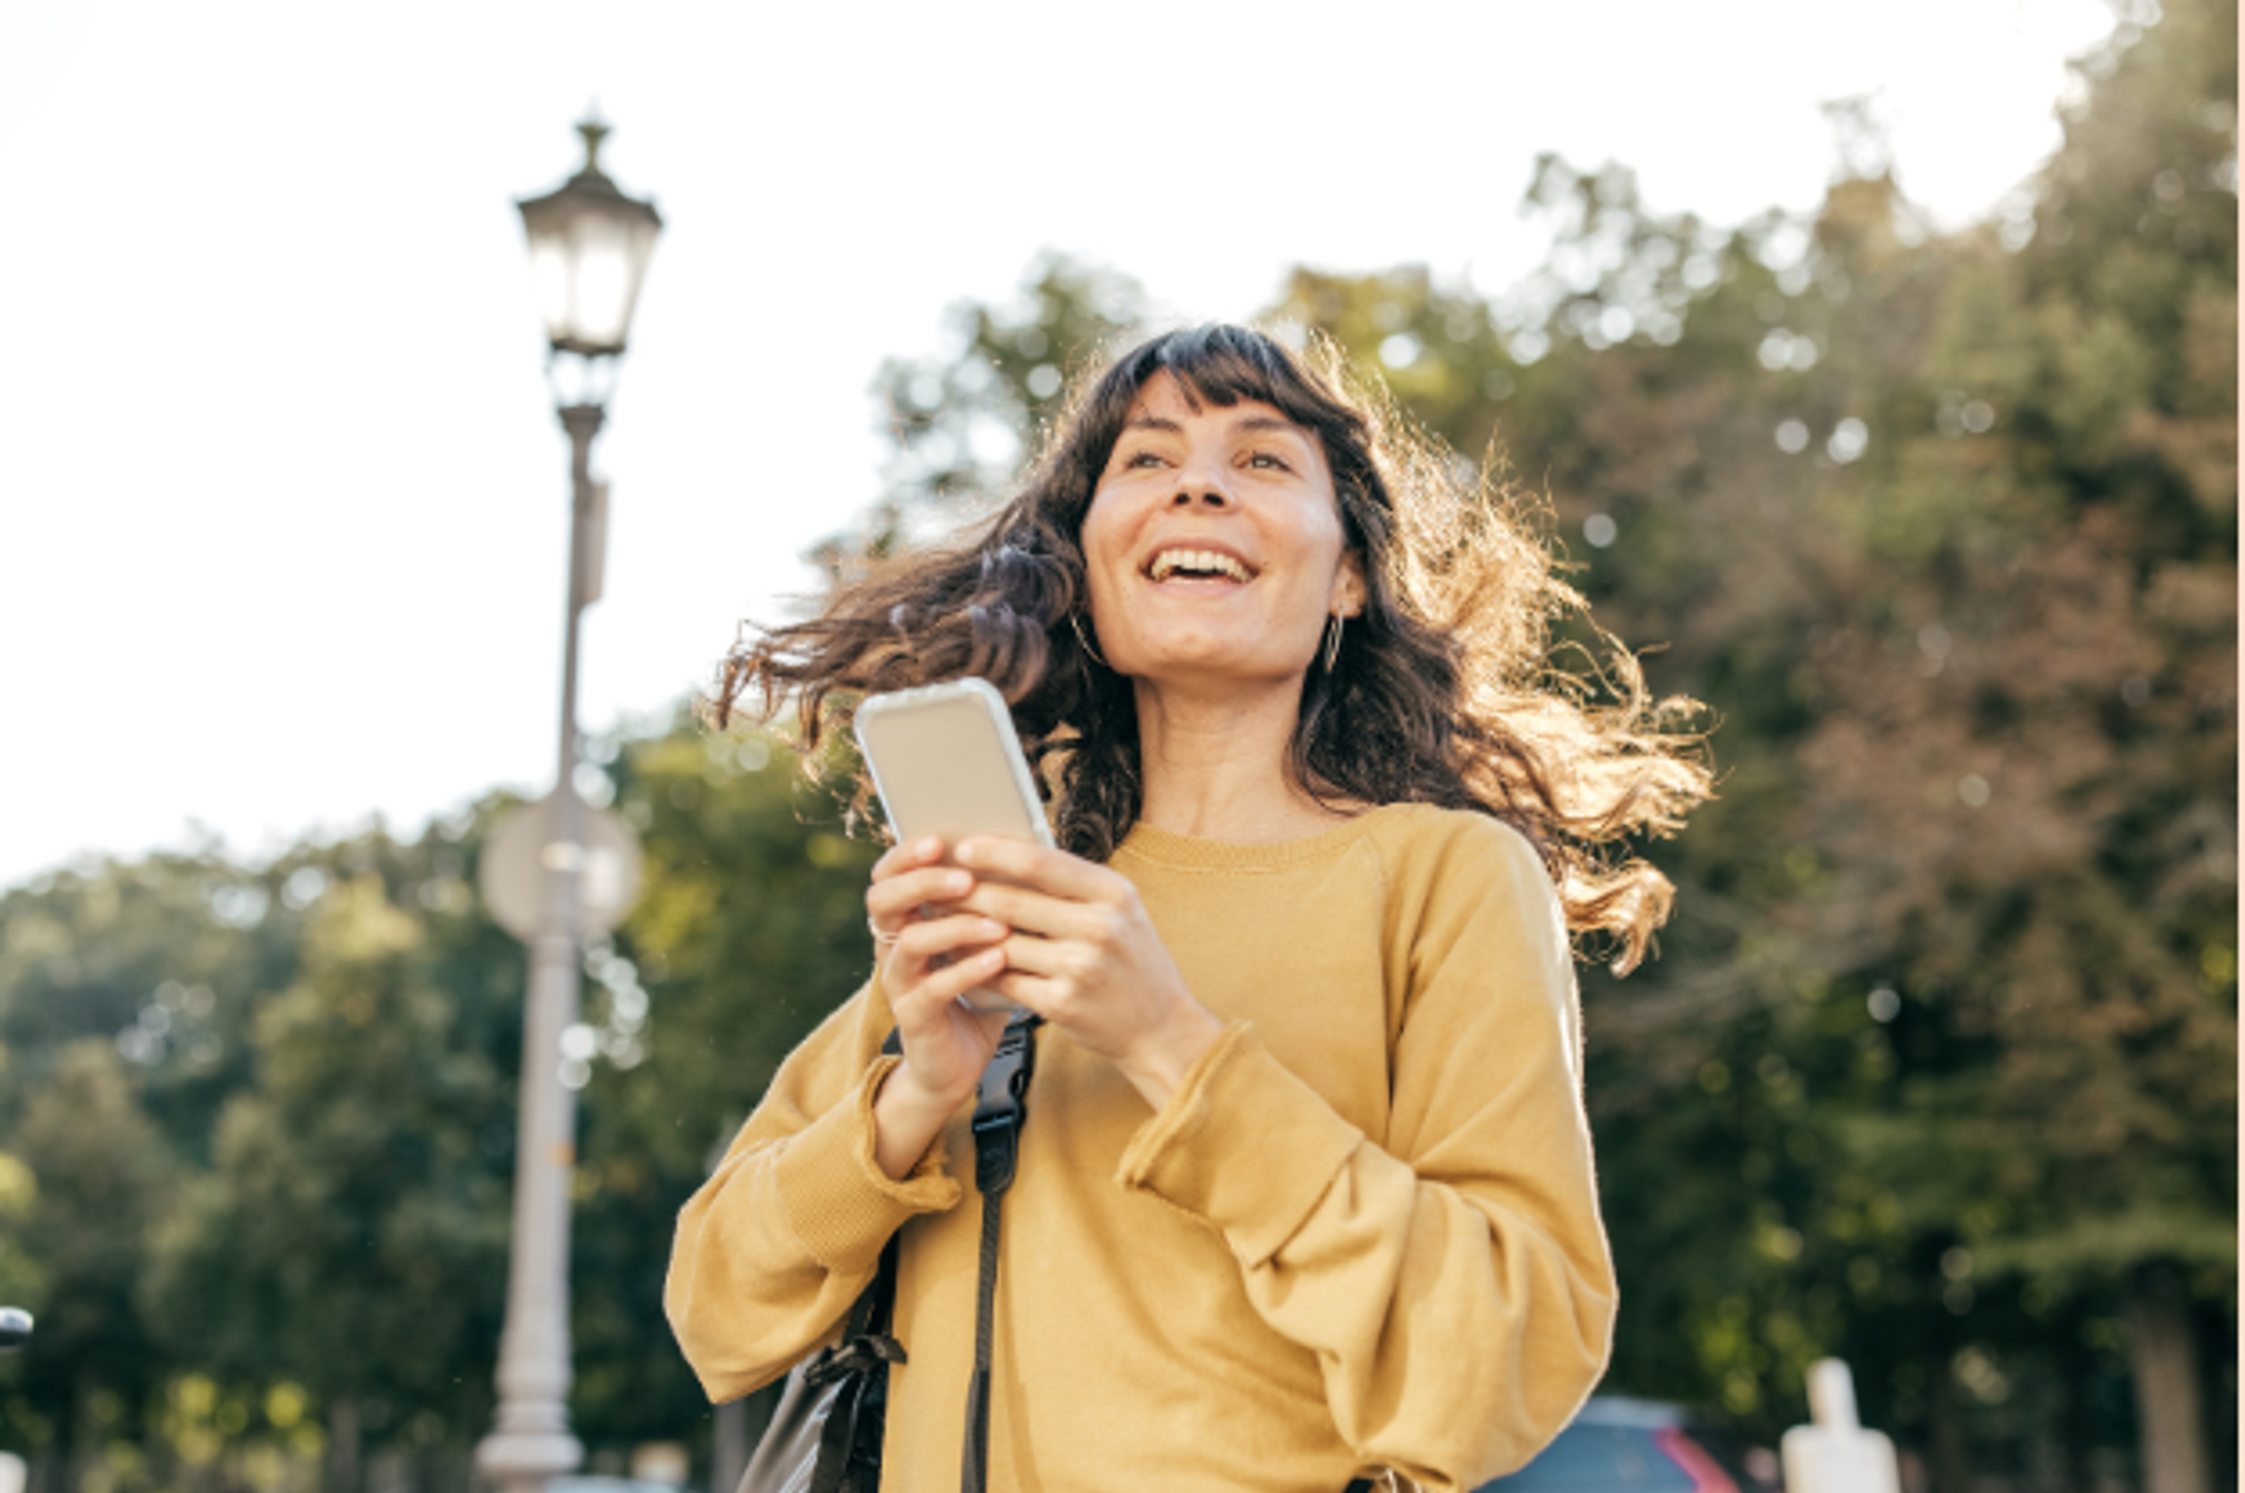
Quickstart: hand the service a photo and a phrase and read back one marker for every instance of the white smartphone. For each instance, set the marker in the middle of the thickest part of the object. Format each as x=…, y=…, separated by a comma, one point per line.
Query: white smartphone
x=946, y=762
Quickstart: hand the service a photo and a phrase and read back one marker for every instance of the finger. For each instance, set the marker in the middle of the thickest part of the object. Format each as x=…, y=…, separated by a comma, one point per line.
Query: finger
x=944, y=986
x=893, y=904
x=1052, y=871
x=907, y=855
x=926, y=1002
x=1029, y=911
x=909, y=970
x=923, y=943
x=1044, y=958
x=1023, y=988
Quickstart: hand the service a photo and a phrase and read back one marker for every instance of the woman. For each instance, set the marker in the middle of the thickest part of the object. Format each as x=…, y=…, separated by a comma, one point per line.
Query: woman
x=1306, y=1192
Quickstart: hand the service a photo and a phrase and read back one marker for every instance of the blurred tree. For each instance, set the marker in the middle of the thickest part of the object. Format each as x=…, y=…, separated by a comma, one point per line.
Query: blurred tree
x=1438, y=348
x=168, y=963
x=104, y=1181
x=961, y=423
x=159, y=957
x=2027, y=736
x=351, y=1235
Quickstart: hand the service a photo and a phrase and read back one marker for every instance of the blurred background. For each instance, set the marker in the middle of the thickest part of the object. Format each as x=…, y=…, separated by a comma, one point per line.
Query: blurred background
x=1877, y=366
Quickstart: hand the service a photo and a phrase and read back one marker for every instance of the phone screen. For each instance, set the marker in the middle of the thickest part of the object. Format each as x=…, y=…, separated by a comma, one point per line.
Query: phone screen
x=946, y=762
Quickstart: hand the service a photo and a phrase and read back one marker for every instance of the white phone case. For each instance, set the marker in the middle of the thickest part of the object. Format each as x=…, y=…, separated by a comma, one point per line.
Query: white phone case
x=946, y=762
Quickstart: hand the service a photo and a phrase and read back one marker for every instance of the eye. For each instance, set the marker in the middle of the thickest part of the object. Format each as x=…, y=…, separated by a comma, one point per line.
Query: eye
x=1269, y=461
x=1139, y=460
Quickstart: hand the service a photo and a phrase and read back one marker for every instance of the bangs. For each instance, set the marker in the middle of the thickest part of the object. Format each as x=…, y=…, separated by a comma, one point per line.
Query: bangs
x=1226, y=364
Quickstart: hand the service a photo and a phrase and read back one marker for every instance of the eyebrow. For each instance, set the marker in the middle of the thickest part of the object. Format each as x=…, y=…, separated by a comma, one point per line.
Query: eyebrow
x=1246, y=422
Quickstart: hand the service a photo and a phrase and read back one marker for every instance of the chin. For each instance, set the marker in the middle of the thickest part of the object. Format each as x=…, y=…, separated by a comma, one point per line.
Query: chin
x=1218, y=665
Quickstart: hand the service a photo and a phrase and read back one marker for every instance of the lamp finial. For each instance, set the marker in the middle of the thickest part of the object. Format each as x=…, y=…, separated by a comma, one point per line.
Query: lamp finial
x=594, y=131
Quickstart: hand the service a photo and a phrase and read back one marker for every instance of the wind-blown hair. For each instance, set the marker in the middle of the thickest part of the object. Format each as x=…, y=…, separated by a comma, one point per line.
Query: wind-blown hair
x=1443, y=691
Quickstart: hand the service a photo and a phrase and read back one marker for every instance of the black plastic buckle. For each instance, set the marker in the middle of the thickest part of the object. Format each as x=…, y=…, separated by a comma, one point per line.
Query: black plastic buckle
x=1001, y=1103
x=856, y=1355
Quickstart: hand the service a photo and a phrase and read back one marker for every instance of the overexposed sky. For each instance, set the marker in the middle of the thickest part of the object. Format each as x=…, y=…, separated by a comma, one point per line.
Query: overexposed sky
x=282, y=498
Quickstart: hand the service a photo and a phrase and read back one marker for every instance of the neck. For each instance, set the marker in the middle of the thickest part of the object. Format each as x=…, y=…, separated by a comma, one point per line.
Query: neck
x=1215, y=766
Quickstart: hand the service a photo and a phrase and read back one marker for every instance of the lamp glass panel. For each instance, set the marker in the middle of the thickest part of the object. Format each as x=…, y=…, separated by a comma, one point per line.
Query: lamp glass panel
x=601, y=306
x=549, y=277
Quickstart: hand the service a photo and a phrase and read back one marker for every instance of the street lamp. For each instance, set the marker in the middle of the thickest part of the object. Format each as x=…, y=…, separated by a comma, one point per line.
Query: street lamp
x=589, y=246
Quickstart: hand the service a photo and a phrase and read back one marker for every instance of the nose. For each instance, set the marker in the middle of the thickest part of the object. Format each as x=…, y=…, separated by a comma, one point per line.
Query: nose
x=1201, y=484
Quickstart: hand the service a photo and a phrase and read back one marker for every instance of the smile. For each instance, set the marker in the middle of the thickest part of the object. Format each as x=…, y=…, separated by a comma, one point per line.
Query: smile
x=1197, y=565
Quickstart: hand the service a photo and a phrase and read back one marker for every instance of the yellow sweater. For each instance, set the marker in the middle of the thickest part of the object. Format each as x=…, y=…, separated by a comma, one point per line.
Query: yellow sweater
x=1363, y=1234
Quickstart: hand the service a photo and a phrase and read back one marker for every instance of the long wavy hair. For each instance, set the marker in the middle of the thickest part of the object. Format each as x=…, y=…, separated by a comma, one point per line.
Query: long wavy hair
x=1443, y=691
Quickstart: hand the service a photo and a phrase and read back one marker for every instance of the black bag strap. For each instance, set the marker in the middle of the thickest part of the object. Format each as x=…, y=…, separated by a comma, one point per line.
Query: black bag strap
x=865, y=1333
x=1001, y=1106
x=850, y=1438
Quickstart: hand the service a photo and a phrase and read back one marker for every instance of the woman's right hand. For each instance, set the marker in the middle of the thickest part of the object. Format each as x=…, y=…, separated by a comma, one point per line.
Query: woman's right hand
x=927, y=963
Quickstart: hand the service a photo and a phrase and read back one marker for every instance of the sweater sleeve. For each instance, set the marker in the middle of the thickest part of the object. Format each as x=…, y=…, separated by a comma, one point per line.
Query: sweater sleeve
x=778, y=1243
x=1453, y=1281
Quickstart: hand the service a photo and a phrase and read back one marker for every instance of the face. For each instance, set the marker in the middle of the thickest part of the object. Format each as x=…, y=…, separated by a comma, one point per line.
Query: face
x=1214, y=545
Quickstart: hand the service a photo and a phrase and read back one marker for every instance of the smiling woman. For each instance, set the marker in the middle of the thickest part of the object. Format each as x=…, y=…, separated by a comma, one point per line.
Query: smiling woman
x=1309, y=1197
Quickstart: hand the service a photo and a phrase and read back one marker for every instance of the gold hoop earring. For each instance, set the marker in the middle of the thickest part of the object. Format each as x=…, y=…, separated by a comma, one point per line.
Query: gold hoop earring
x=1332, y=641
x=1083, y=640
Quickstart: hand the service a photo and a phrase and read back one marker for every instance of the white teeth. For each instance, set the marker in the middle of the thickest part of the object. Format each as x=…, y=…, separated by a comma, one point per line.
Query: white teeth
x=1203, y=562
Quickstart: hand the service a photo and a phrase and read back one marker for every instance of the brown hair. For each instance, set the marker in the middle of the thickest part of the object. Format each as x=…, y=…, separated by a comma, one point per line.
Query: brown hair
x=1443, y=692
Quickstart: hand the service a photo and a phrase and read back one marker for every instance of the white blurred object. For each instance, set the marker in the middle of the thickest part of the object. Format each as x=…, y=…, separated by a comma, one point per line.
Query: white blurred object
x=663, y=1462
x=12, y=1473
x=527, y=844
x=1836, y=1455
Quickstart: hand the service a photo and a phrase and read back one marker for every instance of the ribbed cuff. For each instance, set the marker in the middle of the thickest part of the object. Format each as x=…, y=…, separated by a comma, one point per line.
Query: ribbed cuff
x=840, y=1203
x=1244, y=1144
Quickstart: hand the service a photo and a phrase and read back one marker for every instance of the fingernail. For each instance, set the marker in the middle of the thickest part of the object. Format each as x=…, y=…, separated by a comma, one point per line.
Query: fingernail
x=958, y=881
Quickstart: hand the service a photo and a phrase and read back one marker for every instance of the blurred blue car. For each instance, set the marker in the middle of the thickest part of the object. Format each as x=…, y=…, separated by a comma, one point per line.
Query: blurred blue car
x=1620, y=1445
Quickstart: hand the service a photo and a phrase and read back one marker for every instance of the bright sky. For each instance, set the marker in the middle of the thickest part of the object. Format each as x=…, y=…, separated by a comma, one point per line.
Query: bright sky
x=284, y=497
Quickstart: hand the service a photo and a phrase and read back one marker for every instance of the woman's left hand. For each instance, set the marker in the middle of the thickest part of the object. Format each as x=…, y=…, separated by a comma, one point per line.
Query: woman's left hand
x=1085, y=957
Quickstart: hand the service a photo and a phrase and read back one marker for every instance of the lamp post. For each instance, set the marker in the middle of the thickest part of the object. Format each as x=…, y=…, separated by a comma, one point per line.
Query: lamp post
x=589, y=246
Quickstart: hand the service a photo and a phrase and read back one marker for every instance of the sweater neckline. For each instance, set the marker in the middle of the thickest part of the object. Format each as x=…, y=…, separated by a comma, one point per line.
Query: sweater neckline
x=1191, y=853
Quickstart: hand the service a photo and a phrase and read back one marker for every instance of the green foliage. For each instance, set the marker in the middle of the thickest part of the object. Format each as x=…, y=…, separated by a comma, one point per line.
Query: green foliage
x=1438, y=348
x=351, y=1233
x=199, y=986
x=959, y=425
x=99, y=1179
